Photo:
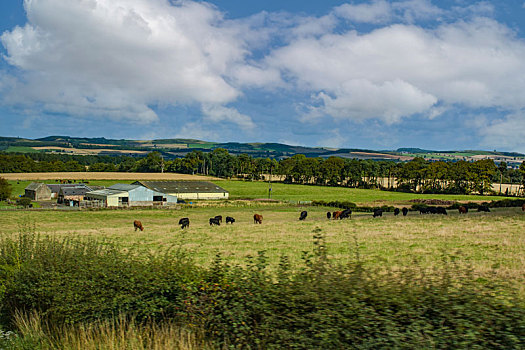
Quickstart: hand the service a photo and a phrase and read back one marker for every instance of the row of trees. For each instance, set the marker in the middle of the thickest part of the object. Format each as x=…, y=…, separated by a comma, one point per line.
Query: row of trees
x=417, y=175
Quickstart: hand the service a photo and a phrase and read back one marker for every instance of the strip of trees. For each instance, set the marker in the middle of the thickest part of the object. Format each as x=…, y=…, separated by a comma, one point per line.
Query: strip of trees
x=417, y=175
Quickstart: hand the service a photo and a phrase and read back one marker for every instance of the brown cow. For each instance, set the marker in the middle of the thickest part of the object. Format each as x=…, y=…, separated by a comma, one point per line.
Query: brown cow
x=463, y=210
x=336, y=214
x=257, y=219
x=137, y=224
x=523, y=207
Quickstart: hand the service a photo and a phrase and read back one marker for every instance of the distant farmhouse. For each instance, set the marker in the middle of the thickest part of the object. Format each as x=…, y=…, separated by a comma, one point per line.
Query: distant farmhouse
x=71, y=195
x=187, y=189
x=124, y=195
x=37, y=191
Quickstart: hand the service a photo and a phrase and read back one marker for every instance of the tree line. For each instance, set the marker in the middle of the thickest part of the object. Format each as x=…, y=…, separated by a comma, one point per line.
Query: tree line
x=417, y=175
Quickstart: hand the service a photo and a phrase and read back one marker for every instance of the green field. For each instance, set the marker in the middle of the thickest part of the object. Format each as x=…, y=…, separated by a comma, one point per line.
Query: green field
x=492, y=244
x=21, y=149
x=298, y=193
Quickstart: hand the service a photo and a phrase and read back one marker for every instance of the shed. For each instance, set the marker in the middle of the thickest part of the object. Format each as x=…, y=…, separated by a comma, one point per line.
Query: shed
x=187, y=189
x=72, y=193
x=123, y=195
x=37, y=191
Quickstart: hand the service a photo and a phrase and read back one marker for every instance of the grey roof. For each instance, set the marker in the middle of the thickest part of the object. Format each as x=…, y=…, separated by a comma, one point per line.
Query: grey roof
x=105, y=192
x=123, y=187
x=182, y=186
x=33, y=186
x=55, y=188
x=74, y=191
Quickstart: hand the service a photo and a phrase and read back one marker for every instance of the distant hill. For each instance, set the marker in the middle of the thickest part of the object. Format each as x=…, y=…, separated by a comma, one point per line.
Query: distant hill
x=172, y=148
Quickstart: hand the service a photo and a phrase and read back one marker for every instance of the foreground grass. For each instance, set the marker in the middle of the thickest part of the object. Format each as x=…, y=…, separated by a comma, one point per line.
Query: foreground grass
x=491, y=243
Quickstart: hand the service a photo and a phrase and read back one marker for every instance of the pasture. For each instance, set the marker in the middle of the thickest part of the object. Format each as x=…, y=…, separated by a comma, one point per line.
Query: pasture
x=491, y=244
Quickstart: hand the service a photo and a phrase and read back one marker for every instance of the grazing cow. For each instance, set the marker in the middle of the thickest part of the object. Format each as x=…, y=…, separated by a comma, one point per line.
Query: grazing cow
x=304, y=213
x=329, y=215
x=230, y=220
x=441, y=210
x=138, y=225
x=215, y=221
x=378, y=212
x=463, y=210
x=345, y=214
x=336, y=214
x=257, y=219
x=405, y=211
x=423, y=210
x=432, y=210
x=219, y=217
x=396, y=212
x=484, y=208
x=184, y=222
x=523, y=207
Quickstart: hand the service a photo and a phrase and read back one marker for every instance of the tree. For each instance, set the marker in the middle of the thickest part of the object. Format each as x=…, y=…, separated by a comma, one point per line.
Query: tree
x=24, y=201
x=5, y=189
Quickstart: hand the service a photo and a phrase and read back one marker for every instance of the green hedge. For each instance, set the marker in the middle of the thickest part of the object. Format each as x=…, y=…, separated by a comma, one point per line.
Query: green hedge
x=352, y=206
x=319, y=305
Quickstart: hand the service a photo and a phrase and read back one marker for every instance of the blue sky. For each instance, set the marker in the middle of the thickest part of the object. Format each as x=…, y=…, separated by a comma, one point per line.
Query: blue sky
x=356, y=74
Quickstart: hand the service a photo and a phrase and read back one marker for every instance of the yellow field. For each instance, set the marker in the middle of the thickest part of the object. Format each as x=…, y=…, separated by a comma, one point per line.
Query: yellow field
x=103, y=176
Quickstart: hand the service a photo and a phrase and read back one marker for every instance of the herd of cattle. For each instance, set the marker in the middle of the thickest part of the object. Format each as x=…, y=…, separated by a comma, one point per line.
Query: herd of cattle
x=336, y=215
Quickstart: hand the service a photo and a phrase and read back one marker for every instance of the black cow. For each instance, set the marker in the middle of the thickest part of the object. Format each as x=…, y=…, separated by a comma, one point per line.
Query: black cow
x=219, y=217
x=441, y=210
x=396, y=212
x=215, y=221
x=423, y=210
x=378, y=212
x=432, y=210
x=329, y=215
x=304, y=213
x=484, y=208
x=184, y=222
x=230, y=220
x=345, y=214
x=405, y=211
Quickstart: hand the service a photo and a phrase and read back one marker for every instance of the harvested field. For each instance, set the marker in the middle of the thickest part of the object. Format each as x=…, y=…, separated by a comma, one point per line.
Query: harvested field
x=103, y=176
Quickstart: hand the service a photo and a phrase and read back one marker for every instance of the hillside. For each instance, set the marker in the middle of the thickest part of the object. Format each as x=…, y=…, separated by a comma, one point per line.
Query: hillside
x=173, y=148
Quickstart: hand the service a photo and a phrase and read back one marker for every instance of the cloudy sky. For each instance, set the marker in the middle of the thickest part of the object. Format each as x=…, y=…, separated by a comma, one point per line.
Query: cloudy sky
x=367, y=74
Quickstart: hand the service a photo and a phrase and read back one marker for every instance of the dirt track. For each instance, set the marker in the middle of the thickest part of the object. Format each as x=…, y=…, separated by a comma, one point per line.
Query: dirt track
x=103, y=176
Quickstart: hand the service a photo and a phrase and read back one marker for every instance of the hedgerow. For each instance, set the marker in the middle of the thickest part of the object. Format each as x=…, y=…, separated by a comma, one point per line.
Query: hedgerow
x=320, y=304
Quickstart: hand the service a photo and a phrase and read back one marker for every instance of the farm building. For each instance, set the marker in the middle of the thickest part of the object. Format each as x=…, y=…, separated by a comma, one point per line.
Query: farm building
x=37, y=191
x=187, y=189
x=55, y=188
x=124, y=195
x=73, y=194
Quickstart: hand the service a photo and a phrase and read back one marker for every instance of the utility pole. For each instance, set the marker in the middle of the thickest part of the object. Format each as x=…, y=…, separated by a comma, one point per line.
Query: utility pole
x=270, y=184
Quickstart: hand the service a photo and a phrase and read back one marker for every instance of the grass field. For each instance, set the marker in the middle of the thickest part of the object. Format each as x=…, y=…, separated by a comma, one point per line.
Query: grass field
x=491, y=243
x=297, y=193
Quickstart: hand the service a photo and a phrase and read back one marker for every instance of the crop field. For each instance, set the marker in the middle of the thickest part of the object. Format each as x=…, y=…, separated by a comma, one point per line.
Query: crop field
x=491, y=244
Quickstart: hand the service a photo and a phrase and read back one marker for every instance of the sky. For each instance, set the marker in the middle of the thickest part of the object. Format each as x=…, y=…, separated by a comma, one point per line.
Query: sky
x=443, y=75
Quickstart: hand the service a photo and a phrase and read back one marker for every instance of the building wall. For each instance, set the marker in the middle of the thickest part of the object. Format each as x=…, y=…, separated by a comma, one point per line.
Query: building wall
x=201, y=195
x=143, y=194
x=41, y=193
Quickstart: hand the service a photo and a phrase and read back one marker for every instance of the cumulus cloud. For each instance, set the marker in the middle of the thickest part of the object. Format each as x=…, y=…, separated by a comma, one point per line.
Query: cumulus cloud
x=118, y=58
x=400, y=70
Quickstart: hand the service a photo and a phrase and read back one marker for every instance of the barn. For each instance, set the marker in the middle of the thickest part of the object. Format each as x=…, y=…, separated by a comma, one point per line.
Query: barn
x=37, y=191
x=124, y=195
x=187, y=189
x=72, y=194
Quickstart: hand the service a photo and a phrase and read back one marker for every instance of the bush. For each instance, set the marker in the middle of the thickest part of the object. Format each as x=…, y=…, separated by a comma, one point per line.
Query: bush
x=5, y=189
x=320, y=305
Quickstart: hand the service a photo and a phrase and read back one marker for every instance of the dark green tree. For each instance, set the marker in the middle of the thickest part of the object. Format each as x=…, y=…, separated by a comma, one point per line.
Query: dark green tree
x=5, y=189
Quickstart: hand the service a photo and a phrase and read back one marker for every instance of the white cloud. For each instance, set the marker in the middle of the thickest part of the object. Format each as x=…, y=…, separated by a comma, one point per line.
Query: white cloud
x=217, y=114
x=507, y=132
x=399, y=70
x=117, y=58
x=382, y=11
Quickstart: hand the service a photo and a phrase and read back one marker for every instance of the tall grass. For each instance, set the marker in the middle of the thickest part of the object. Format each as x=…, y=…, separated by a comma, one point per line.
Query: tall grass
x=69, y=294
x=121, y=333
